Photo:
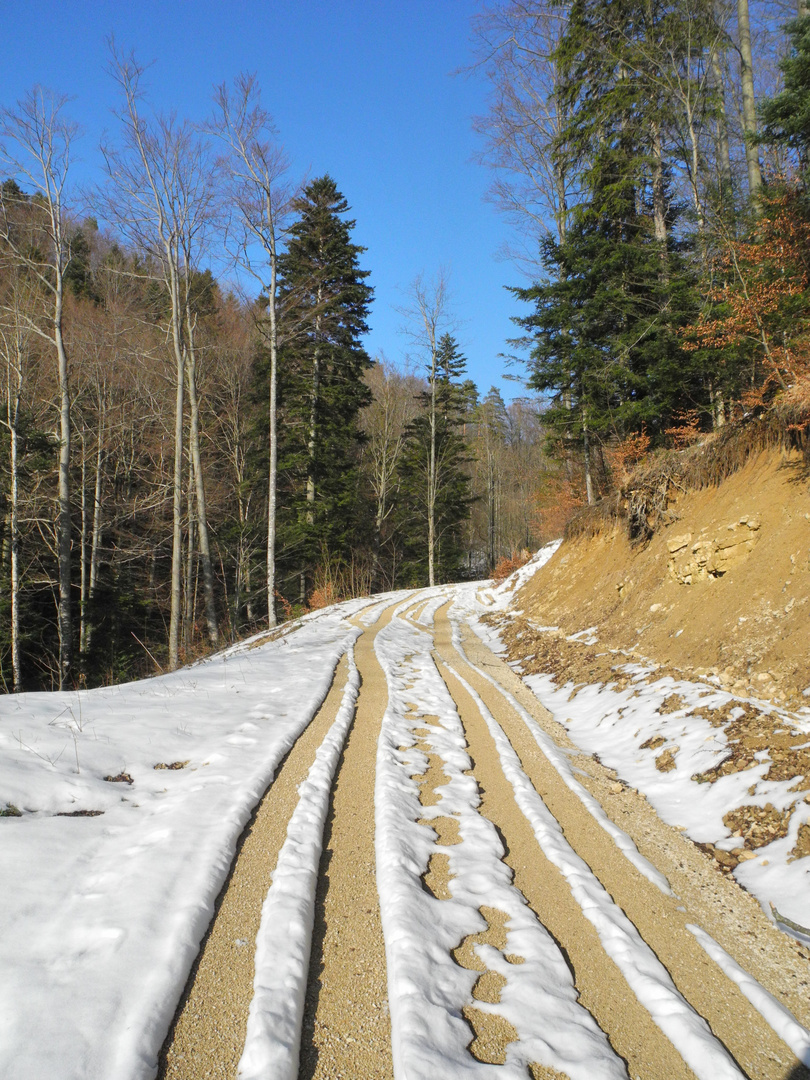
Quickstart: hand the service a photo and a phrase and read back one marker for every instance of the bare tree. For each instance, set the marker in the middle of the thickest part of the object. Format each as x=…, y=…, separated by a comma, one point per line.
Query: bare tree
x=160, y=195
x=385, y=423
x=15, y=349
x=428, y=317
x=256, y=167
x=35, y=149
x=516, y=43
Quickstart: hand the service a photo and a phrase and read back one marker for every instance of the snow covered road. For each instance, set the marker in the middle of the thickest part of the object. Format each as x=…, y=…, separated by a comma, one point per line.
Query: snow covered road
x=435, y=884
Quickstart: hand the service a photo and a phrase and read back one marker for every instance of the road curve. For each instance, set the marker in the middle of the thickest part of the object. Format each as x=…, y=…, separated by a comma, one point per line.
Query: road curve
x=510, y=840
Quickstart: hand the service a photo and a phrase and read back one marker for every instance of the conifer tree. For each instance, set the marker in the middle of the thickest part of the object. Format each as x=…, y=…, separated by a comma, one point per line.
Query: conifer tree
x=435, y=498
x=325, y=301
x=605, y=324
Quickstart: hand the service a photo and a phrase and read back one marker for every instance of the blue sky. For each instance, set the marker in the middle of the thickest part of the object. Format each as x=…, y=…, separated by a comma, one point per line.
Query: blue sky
x=362, y=90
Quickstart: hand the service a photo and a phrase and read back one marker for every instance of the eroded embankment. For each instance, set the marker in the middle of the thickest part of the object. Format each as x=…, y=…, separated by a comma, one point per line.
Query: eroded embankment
x=721, y=588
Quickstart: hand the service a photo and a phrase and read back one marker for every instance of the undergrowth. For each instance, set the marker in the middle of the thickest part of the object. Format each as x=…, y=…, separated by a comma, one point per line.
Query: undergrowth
x=642, y=503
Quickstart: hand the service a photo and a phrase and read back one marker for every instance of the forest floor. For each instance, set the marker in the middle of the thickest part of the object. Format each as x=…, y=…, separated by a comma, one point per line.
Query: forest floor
x=461, y=832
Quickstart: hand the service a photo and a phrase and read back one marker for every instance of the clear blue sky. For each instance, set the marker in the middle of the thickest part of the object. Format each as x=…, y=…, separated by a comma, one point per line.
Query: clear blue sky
x=359, y=89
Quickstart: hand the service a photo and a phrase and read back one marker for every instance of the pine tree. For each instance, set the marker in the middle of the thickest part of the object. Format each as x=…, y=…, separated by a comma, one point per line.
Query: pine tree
x=786, y=116
x=604, y=330
x=324, y=301
x=434, y=484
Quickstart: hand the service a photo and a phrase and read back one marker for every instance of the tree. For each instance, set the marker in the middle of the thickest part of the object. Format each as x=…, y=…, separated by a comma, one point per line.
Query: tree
x=786, y=116
x=433, y=476
x=36, y=147
x=385, y=423
x=325, y=301
x=256, y=167
x=160, y=195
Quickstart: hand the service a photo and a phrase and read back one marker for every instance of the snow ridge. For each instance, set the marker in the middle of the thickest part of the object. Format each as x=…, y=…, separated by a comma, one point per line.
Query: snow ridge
x=558, y=760
x=273, y=1040
x=427, y=988
x=773, y=1012
x=646, y=975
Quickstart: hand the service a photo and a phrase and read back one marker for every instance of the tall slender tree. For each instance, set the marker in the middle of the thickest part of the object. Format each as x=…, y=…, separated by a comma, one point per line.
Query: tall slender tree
x=325, y=302
x=36, y=147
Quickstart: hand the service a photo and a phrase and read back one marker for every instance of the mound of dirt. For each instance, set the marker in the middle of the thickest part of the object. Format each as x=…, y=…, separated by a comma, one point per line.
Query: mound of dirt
x=722, y=590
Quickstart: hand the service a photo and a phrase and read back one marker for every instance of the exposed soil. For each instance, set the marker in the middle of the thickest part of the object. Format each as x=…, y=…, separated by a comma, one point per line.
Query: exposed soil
x=743, y=618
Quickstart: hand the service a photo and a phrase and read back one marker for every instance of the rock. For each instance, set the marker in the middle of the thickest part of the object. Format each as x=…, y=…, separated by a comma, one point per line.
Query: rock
x=616, y=789
x=725, y=858
x=677, y=543
x=665, y=762
x=656, y=607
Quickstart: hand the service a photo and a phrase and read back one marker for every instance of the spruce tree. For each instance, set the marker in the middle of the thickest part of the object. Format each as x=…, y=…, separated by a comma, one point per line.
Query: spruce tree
x=606, y=320
x=324, y=301
x=434, y=483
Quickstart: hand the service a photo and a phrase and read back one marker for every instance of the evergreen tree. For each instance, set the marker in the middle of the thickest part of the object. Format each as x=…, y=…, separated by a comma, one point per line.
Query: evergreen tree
x=786, y=116
x=606, y=320
x=324, y=301
x=434, y=484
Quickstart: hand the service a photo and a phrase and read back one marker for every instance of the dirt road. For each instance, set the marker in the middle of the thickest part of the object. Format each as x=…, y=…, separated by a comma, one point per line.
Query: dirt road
x=489, y=901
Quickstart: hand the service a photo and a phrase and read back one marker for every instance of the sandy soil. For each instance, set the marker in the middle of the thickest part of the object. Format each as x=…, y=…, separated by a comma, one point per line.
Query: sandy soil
x=674, y=600
x=346, y=1030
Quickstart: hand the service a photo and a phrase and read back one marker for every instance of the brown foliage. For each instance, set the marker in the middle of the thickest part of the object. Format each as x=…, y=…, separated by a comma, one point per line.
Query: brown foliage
x=645, y=498
x=507, y=566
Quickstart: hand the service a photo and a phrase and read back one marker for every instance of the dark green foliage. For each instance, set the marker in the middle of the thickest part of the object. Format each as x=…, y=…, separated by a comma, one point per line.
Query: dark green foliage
x=605, y=330
x=786, y=117
x=452, y=402
x=325, y=301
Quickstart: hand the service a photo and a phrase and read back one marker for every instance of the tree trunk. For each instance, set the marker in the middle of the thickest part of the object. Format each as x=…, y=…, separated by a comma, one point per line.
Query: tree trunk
x=83, y=574
x=188, y=582
x=273, y=473
x=199, y=486
x=95, y=536
x=749, y=116
x=586, y=446
x=431, y=500
x=723, y=148
x=312, y=444
x=63, y=497
x=177, y=487
x=13, y=414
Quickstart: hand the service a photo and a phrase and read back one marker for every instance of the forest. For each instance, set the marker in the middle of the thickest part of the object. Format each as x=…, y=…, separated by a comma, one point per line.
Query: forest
x=194, y=442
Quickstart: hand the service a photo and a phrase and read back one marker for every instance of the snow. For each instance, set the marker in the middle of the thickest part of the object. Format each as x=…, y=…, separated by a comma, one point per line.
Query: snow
x=427, y=988
x=283, y=945
x=782, y=1020
x=557, y=759
x=645, y=974
x=102, y=916
x=614, y=724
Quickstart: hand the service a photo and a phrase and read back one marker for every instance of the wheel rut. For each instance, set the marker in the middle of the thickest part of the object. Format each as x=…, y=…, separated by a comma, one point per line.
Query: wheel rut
x=661, y=920
x=449, y=746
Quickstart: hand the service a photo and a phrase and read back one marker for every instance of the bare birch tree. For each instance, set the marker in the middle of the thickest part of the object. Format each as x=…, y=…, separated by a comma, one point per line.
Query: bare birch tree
x=428, y=317
x=160, y=195
x=256, y=167
x=35, y=148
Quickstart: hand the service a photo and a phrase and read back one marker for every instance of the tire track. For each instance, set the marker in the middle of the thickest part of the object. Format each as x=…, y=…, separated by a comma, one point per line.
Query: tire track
x=207, y=1036
x=346, y=1031
x=661, y=920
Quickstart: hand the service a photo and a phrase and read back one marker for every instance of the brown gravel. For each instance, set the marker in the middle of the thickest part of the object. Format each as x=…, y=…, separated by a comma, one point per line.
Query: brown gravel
x=346, y=1026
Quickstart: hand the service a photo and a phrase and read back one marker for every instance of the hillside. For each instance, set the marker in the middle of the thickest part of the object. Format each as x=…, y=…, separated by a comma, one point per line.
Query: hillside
x=681, y=659
x=721, y=590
